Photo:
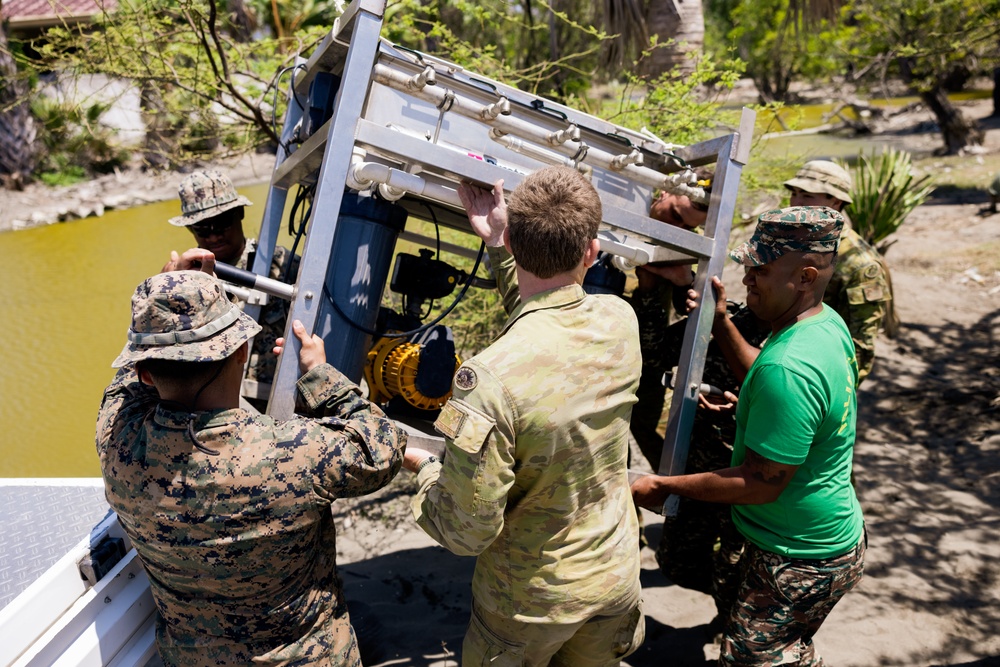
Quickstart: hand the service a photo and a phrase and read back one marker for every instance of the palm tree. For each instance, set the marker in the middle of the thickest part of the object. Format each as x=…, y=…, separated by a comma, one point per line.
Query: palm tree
x=682, y=21
x=18, y=150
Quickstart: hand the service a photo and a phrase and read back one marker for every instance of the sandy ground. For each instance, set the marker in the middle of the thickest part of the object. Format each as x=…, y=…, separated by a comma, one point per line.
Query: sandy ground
x=927, y=466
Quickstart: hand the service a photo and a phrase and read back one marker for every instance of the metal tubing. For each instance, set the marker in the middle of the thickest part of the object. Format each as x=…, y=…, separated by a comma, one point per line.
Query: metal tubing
x=253, y=281
x=438, y=95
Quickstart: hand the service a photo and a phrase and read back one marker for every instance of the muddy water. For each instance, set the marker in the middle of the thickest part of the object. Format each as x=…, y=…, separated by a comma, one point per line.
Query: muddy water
x=65, y=312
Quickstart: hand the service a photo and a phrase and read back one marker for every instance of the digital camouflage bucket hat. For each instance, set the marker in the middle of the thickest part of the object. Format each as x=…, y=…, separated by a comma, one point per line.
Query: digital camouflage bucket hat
x=797, y=229
x=823, y=176
x=206, y=194
x=184, y=316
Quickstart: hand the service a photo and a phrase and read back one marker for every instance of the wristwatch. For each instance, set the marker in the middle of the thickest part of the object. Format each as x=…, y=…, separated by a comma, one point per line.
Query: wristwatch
x=426, y=462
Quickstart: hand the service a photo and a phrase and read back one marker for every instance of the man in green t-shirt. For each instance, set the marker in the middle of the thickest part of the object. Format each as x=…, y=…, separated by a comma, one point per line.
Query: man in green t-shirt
x=789, y=483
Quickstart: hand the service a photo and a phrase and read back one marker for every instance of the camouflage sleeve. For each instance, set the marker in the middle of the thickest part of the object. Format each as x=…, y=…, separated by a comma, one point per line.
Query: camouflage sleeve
x=503, y=268
x=461, y=501
x=862, y=302
x=860, y=292
x=125, y=399
x=362, y=448
x=284, y=265
x=653, y=315
x=864, y=323
x=654, y=318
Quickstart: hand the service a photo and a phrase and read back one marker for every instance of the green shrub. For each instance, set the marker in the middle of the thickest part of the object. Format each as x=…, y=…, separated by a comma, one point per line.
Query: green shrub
x=75, y=143
x=885, y=192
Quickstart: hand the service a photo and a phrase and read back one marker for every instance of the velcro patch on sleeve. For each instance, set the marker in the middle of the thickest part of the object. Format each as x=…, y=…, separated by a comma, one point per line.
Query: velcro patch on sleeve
x=450, y=420
x=466, y=427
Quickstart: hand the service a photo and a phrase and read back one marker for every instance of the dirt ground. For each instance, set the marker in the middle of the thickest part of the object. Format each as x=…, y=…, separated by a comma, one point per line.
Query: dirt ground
x=927, y=466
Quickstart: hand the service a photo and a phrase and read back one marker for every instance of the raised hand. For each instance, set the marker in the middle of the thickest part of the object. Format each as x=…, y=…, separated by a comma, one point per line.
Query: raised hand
x=487, y=211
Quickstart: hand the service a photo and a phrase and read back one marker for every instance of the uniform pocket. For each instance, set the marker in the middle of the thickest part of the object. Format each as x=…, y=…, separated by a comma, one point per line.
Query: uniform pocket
x=631, y=632
x=484, y=647
x=467, y=456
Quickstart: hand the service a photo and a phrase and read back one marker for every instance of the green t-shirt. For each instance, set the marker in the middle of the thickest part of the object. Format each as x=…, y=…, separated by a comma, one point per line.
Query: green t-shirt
x=798, y=407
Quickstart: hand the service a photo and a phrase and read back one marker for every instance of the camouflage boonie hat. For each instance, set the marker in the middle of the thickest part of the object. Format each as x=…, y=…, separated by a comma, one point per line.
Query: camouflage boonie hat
x=206, y=194
x=823, y=176
x=184, y=316
x=797, y=229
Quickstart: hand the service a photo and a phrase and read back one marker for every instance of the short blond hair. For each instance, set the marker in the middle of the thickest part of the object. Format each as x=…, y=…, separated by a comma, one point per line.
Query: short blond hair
x=551, y=217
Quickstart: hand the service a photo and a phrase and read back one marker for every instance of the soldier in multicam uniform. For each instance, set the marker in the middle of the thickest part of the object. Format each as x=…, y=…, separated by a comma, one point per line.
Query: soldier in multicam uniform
x=213, y=211
x=229, y=511
x=534, y=479
x=789, y=481
x=859, y=290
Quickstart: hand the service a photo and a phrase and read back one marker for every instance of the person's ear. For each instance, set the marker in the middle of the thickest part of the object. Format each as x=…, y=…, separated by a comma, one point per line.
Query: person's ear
x=506, y=239
x=808, y=276
x=590, y=254
x=242, y=353
x=145, y=377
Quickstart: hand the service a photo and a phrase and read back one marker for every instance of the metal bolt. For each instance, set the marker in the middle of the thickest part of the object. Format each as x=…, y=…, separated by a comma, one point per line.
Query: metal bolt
x=107, y=600
x=131, y=575
x=308, y=296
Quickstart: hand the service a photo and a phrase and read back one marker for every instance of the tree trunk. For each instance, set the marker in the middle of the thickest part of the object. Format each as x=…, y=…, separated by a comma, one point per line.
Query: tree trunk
x=682, y=21
x=241, y=20
x=18, y=150
x=957, y=130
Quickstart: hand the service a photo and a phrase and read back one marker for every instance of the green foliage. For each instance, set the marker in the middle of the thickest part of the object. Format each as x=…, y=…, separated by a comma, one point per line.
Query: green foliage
x=535, y=46
x=779, y=46
x=674, y=106
x=75, y=142
x=67, y=175
x=284, y=18
x=924, y=40
x=199, y=86
x=885, y=192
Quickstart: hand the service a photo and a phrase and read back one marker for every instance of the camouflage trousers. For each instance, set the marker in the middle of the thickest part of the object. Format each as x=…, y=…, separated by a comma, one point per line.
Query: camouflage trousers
x=602, y=641
x=330, y=643
x=782, y=603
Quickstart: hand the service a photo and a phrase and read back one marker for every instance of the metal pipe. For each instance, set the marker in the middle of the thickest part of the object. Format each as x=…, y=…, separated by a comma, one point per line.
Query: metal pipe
x=251, y=280
x=508, y=124
x=362, y=175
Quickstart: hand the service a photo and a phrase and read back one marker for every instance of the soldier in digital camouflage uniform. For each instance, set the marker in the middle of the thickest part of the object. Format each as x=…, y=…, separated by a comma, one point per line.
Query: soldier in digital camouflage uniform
x=230, y=511
x=213, y=211
x=699, y=547
x=789, y=479
x=860, y=289
x=534, y=478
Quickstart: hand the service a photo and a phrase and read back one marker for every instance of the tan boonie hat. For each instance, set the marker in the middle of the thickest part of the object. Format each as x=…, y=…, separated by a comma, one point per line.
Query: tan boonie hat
x=823, y=176
x=184, y=316
x=206, y=194
x=796, y=229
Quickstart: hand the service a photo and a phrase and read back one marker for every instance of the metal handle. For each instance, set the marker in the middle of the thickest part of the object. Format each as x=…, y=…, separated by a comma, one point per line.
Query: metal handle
x=249, y=279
